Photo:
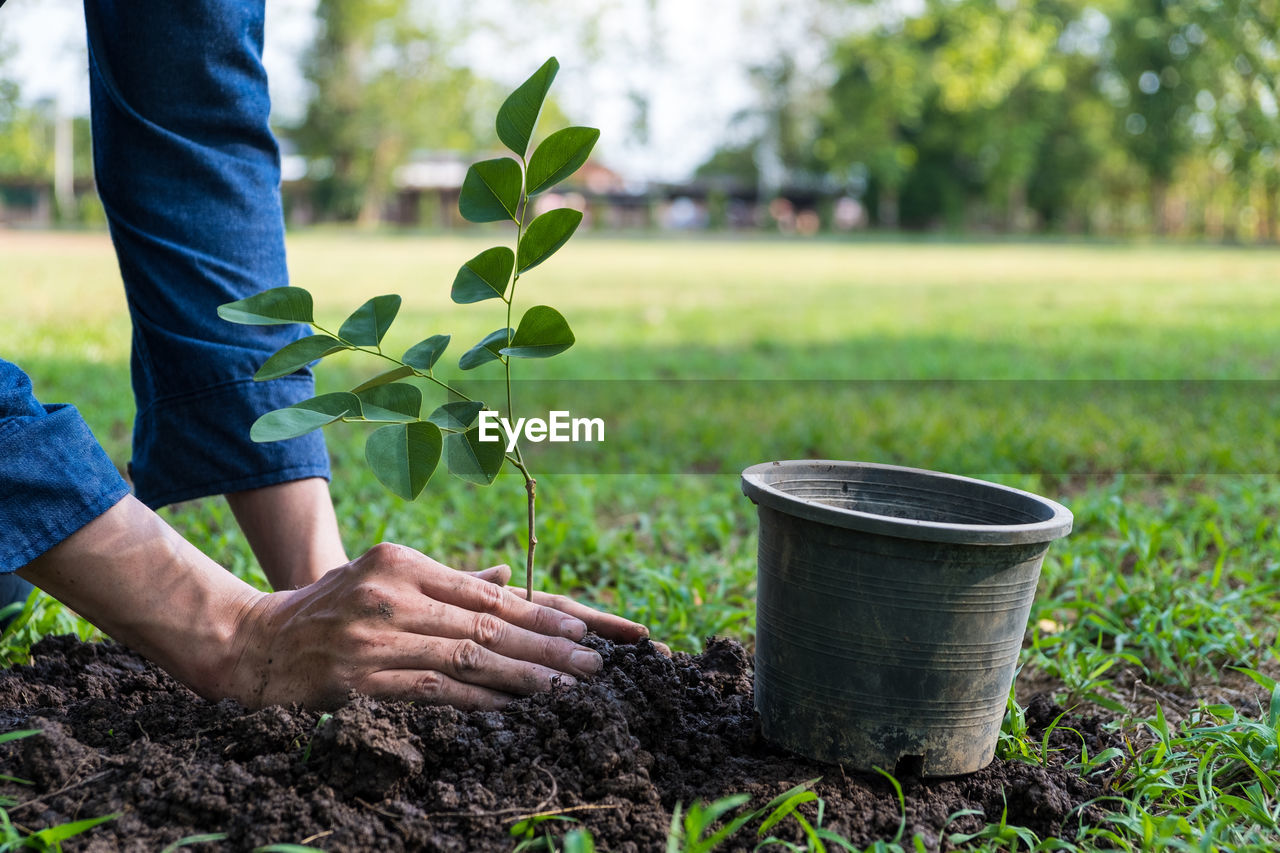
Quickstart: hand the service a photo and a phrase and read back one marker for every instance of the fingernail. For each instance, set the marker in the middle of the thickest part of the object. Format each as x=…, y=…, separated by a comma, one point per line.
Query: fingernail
x=574, y=629
x=586, y=661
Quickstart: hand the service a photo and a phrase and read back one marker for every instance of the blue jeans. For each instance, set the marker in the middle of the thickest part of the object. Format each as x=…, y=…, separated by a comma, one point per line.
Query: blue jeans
x=189, y=175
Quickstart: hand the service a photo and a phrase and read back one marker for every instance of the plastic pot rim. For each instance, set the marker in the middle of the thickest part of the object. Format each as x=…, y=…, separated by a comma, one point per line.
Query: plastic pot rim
x=757, y=485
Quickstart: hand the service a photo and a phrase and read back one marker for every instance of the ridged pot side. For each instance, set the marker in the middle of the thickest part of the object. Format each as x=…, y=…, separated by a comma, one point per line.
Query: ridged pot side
x=881, y=649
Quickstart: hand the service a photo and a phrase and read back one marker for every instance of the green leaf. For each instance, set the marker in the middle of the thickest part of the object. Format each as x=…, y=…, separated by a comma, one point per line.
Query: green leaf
x=383, y=378
x=404, y=456
x=456, y=416
x=297, y=355
x=19, y=734
x=785, y=803
x=270, y=308
x=519, y=112
x=490, y=191
x=559, y=156
x=302, y=418
x=485, y=351
x=1263, y=680
x=485, y=276
x=474, y=460
x=424, y=354
x=369, y=323
x=52, y=838
x=543, y=332
x=287, y=423
x=578, y=841
x=337, y=403
x=194, y=839
x=395, y=401
x=545, y=235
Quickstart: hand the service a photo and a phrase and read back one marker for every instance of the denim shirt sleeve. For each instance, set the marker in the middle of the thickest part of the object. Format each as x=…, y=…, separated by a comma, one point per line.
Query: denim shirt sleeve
x=54, y=476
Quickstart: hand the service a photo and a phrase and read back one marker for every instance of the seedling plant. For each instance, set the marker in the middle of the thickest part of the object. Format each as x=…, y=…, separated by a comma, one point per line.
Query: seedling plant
x=406, y=448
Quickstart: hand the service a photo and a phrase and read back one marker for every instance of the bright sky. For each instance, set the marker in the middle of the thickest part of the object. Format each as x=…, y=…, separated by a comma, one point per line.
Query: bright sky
x=689, y=57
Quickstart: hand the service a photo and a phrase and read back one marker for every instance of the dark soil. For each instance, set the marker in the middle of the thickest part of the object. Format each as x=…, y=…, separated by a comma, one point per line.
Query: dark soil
x=616, y=753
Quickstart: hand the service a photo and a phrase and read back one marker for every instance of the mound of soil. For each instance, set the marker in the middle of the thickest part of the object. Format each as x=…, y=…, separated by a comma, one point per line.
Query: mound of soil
x=616, y=753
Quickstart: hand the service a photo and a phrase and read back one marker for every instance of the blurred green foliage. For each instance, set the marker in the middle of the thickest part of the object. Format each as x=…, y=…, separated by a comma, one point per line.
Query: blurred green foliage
x=382, y=86
x=1119, y=116
x=1114, y=117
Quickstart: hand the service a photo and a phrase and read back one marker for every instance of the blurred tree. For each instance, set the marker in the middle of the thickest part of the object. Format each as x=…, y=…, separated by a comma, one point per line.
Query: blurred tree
x=383, y=85
x=26, y=137
x=772, y=144
x=1112, y=114
x=1233, y=113
x=954, y=111
x=26, y=132
x=879, y=106
x=788, y=119
x=736, y=162
x=1149, y=79
x=34, y=135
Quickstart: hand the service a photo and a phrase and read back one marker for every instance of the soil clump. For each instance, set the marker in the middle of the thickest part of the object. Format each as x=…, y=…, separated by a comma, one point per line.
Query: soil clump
x=615, y=753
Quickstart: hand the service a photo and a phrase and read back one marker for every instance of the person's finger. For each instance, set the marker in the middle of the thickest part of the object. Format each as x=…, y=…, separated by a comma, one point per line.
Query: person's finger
x=433, y=688
x=437, y=619
x=607, y=625
x=469, y=662
x=461, y=589
x=500, y=575
x=470, y=593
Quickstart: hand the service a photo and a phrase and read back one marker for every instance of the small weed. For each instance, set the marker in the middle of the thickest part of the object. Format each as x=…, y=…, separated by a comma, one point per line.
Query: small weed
x=693, y=832
x=324, y=718
x=1014, y=741
x=206, y=838
x=6, y=802
x=39, y=616
x=1004, y=835
x=47, y=840
x=577, y=840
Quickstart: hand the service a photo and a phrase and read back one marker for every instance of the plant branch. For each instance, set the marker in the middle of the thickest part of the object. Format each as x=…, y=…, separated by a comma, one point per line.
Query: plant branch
x=380, y=354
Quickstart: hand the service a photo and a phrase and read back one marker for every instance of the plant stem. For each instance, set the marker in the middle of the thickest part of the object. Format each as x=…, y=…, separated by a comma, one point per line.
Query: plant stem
x=531, y=488
x=530, y=484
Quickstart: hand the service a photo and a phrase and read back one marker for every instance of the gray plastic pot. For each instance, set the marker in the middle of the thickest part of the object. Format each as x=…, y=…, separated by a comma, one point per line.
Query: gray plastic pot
x=891, y=607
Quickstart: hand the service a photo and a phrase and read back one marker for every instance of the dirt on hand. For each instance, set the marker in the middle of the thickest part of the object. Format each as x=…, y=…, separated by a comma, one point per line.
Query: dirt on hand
x=615, y=753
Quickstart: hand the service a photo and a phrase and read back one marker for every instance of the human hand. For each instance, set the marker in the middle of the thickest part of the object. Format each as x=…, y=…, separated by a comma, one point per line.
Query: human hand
x=396, y=623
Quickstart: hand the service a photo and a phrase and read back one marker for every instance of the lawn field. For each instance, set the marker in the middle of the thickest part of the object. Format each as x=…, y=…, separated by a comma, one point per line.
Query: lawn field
x=1136, y=384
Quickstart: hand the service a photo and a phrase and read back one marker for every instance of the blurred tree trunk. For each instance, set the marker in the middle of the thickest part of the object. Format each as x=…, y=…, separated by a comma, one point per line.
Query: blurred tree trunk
x=1160, y=206
x=1016, y=217
x=1271, y=214
x=375, y=194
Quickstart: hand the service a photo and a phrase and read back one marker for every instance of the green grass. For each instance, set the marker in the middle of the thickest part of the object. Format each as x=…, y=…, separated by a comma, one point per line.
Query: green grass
x=1134, y=383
